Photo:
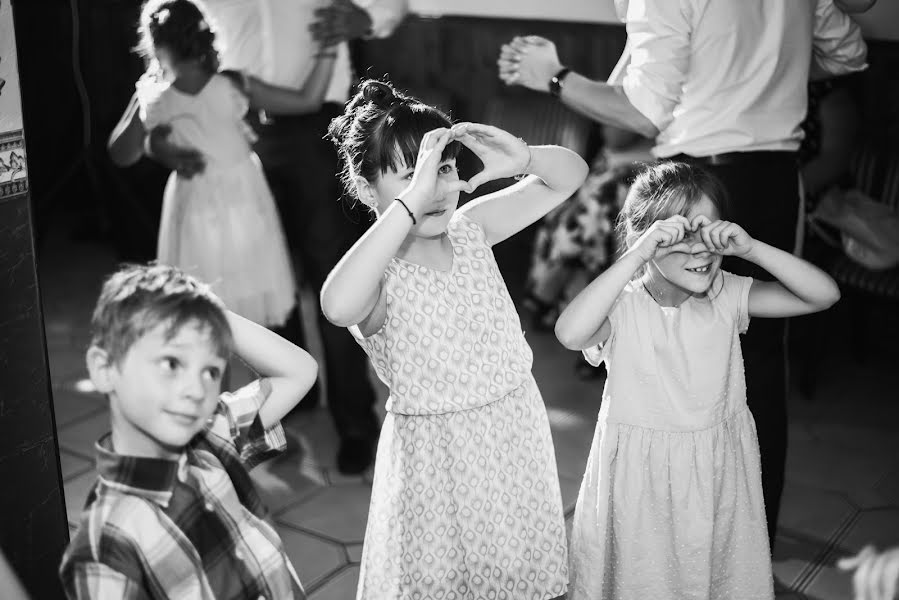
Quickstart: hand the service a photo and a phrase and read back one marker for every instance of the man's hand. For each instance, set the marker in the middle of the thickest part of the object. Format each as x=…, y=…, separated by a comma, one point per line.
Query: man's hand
x=341, y=21
x=187, y=162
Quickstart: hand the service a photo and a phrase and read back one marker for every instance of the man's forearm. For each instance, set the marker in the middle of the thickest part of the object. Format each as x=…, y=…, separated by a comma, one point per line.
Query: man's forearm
x=605, y=103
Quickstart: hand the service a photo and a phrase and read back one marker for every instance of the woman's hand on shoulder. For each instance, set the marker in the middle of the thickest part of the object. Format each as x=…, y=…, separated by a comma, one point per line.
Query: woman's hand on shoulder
x=502, y=154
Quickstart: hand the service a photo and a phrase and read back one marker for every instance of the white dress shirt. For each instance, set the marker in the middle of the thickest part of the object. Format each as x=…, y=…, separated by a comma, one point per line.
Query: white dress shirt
x=270, y=39
x=718, y=76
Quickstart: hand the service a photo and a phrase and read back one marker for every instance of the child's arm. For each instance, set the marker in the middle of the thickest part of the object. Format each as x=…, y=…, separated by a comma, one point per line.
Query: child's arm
x=557, y=174
x=126, y=142
x=585, y=321
x=352, y=290
x=801, y=287
x=282, y=100
x=290, y=370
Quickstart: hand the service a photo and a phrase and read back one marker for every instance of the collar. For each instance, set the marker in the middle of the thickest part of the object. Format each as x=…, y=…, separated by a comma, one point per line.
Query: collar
x=150, y=478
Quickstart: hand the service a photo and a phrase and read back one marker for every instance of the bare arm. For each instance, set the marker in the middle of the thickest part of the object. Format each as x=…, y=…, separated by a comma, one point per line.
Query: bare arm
x=556, y=173
x=584, y=323
x=801, y=287
x=281, y=100
x=290, y=370
x=126, y=142
x=353, y=287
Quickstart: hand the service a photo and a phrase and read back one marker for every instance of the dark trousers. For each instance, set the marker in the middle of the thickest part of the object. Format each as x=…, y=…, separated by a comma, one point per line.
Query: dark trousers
x=301, y=168
x=763, y=189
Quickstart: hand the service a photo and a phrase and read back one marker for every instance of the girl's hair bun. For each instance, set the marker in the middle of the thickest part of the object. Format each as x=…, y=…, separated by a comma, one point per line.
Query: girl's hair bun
x=379, y=93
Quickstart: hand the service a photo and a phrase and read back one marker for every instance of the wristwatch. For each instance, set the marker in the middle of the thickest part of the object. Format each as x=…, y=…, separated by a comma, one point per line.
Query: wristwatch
x=555, y=84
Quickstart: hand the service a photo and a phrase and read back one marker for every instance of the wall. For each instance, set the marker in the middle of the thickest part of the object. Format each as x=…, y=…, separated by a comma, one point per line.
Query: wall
x=33, y=530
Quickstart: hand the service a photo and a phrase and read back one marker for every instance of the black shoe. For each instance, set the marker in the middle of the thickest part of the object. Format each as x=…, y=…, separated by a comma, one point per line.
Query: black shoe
x=355, y=455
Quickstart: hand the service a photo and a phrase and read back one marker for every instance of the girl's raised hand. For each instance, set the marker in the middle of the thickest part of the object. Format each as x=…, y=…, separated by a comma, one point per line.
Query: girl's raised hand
x=503, y=154
x=423, y=187
x=723, y=237
x=663, y=238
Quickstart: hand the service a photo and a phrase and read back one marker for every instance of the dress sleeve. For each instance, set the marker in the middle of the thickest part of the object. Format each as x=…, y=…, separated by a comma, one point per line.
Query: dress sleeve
x=838, y=46
x=658, y=33
x=237, y=420
x=595, y=355
x=152, y=98
x=735, y=292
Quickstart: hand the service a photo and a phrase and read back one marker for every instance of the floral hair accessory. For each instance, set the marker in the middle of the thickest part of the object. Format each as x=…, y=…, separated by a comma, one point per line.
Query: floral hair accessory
x=162, y=16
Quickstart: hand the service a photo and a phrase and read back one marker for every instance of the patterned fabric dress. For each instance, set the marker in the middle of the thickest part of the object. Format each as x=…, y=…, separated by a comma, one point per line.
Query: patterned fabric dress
x=671, y=505
x=465, y=501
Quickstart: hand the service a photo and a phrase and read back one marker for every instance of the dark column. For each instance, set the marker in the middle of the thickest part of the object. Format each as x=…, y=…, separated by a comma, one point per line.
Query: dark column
x=33, y=529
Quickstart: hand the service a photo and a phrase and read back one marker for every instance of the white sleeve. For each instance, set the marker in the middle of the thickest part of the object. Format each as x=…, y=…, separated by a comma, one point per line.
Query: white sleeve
x=838, y=46
x=658, y=33
x=385, y=15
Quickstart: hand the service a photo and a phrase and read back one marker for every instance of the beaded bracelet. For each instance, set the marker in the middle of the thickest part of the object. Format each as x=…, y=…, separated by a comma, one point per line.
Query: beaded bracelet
x=411, y=216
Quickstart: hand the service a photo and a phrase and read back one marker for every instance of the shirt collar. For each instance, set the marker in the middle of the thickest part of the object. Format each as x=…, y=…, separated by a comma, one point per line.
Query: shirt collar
x=150, y=478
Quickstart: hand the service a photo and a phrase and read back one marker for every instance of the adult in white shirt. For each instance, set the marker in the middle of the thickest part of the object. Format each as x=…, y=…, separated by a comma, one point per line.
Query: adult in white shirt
x=722, y=83
x=275, y=41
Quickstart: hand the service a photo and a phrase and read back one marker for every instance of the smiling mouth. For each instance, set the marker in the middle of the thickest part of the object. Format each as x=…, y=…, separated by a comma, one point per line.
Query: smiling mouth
x=702, y=269
x=435, y=213
x=182, y=418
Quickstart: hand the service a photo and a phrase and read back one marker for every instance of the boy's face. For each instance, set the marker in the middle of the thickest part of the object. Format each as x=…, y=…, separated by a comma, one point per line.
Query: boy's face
x=162, y=392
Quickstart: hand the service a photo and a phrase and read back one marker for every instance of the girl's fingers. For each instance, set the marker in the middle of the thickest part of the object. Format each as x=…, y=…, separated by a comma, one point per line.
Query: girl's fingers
x=698, y=222
x=705, y=236
x=458, y=186
x=891, y=574
x=861, y=581
x=680, y=219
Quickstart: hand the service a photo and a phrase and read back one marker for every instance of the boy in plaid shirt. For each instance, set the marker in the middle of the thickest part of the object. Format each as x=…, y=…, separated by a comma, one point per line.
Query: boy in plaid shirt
x=174, y=513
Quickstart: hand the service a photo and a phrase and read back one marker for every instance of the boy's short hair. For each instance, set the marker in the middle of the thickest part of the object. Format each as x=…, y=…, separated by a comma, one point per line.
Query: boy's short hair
x=138, y=298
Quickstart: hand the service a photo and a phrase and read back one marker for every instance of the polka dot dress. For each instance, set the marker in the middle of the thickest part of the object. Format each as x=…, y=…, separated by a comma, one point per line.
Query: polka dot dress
x=671, y=503
x=465, y=500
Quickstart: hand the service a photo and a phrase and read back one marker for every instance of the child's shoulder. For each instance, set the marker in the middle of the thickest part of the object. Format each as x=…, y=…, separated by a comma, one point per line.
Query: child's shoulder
x=110, y=526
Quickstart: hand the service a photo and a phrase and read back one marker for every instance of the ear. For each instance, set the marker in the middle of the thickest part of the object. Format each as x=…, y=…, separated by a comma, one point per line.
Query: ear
x=100, y=369
x=365, y=191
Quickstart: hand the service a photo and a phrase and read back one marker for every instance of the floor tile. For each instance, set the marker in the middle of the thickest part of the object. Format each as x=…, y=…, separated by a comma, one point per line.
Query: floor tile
x=338, y=513
x=810, y=521
x=70, y=405
x=355, y=552
x=287, y=479
x=81, y=435
x=570, y=487
x=340, y=587
x=73, y=465
x=75, y=491
x=314, y=559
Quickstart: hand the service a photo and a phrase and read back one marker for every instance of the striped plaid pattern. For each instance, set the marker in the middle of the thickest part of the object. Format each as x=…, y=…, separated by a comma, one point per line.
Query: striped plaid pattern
x=192, y=528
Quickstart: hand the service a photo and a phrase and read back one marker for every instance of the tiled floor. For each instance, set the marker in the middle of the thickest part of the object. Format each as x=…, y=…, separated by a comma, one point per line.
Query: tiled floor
x=843, y=471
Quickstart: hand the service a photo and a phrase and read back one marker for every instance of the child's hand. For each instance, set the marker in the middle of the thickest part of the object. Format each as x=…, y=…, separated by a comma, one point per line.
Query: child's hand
x=663, y=238
x=503, y=154
x=422, y=190
x=876, y=574
x=722, y=237
x=186, y=161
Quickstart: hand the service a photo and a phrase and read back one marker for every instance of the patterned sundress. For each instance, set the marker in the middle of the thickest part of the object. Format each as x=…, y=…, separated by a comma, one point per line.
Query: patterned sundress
x=465, y=500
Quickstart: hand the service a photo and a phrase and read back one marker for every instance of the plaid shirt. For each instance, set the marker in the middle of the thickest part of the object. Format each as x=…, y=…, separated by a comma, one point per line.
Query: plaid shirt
x=192, y=528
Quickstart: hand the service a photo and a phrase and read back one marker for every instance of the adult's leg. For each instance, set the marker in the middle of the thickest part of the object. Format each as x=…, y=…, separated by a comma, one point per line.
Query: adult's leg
x=302, y=170
x=763, y=200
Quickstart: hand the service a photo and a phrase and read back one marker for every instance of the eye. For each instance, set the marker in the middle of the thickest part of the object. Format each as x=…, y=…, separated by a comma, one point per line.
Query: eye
x=408, y=176
x=447, y=169
x=169, y=363
x=212, y=373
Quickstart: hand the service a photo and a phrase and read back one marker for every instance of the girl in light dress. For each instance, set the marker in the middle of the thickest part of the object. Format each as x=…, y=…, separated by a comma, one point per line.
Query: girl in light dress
x=221, y=223
x=465, y=499
x=671, y=503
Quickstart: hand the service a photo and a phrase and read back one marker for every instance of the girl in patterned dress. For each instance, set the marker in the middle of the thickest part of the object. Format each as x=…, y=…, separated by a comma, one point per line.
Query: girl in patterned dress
x=671, y=504
x=465, y=499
